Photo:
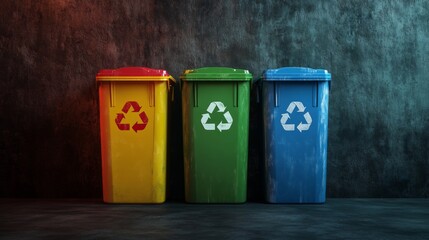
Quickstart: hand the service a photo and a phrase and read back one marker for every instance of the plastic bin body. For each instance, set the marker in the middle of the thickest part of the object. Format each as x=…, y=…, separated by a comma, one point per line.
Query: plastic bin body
x=133, y=128
x=215, y=134
x=295, y=115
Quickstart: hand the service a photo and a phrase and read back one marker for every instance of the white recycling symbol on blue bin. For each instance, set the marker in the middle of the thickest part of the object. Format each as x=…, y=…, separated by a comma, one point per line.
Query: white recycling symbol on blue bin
x=222, y=126
x=286, y=116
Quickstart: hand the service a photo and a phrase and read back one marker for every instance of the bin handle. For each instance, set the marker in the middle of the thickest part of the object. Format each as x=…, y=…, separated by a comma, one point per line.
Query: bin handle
x=170, y=86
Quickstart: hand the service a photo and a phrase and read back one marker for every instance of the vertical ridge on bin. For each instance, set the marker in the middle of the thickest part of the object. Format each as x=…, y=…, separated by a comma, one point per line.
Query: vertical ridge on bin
x=112, y=94
x=315, y=94
x=275, y=95
x=195, y=93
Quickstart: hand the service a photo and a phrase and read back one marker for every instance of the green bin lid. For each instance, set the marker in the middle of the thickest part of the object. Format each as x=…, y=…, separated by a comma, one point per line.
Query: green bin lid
x=216, y=74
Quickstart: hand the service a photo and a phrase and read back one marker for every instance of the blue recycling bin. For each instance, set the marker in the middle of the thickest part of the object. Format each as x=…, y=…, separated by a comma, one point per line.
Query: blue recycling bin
x=295, y=115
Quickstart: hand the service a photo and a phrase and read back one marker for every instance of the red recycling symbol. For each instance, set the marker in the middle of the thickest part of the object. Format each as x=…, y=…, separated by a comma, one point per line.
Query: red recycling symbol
x=126, y=126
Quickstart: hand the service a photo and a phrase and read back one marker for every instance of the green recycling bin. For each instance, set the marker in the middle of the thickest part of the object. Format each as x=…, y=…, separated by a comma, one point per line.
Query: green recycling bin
x=215, y=105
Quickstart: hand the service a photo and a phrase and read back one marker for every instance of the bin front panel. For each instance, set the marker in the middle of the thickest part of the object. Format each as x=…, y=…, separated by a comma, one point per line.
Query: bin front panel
x=133, y=125
x=215, y=127
x=296, y=121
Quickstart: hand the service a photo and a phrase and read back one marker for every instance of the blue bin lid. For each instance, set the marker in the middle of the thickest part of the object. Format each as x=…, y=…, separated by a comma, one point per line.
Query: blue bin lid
x=296, y=74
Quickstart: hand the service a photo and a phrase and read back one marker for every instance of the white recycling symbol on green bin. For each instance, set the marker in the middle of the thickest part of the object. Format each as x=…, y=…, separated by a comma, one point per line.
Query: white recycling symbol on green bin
x=222, y=126
x=301, y=126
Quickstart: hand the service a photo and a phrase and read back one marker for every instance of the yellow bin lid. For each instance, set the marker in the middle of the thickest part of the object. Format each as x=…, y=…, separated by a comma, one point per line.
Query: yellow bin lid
x=134, y=74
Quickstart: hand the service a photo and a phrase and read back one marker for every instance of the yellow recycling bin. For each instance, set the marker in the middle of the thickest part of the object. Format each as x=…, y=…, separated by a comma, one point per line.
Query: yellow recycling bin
x=133, y=129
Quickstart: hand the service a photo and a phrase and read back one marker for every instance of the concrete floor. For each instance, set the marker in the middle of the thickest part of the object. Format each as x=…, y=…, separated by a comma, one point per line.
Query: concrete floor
x=337, y=219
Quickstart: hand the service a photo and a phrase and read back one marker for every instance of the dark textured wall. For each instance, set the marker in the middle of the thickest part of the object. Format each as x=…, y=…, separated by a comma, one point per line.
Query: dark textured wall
x=377, y=52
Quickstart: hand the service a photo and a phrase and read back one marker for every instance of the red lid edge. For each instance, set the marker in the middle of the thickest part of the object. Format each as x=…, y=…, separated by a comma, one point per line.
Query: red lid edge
x=132, y=71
